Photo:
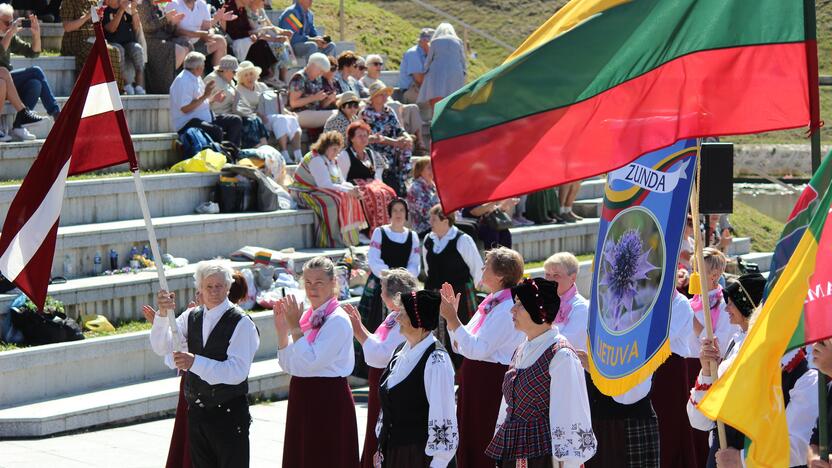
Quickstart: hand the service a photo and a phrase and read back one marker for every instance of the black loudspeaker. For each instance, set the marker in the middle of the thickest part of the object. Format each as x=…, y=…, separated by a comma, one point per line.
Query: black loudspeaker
x=716, y=193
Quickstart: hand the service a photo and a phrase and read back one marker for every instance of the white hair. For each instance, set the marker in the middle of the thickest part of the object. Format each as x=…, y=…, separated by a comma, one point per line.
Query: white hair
x=374, y=58
x=208, y=268
x=444, y=30
x=319, y=60
x=566, y=260
x=6, y=9
x=193, y=60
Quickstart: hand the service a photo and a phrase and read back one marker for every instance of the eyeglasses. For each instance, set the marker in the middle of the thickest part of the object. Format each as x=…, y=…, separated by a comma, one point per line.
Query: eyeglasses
x=362, y=68
x=332, y=69
x=351, y=104
x=377, y=64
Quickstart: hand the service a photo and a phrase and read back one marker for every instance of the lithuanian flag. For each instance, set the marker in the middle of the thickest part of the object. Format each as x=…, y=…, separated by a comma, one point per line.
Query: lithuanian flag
x=605, y=81
x=749, y=396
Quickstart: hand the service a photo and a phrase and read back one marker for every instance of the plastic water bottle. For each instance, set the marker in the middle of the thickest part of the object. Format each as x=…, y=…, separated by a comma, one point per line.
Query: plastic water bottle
x=113, y=260
x=146, y=253
x=96, y=264
x=67, y=266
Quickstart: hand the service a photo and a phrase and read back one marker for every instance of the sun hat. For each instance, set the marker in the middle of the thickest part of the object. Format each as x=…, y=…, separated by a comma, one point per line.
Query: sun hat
x=227, y=63
x=345, y=98
x=379, y=87
x=248, y=67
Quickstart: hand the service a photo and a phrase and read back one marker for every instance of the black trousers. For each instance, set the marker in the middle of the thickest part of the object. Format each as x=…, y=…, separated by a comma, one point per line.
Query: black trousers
x=225, y=127
x=219, y=436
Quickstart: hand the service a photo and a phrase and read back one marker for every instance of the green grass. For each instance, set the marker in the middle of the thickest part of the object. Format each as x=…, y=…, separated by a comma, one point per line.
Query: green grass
x=121, y=328
x=763, y=230
x=93, y=175
x=581, y=258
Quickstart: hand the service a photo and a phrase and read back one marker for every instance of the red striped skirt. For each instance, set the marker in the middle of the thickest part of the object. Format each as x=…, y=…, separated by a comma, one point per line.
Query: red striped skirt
x=480, y=394
x=321, y=429
x=373, y=409
x=669, y=397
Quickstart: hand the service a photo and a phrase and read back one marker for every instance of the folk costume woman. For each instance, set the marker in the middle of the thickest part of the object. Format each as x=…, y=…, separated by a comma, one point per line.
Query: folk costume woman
x=391, y=246
x=451, y=256
x=799, y=382
x=487, y=344
x=378, y=347
x=417, y=426
x=544, y=417
x=723, y=328
x=573, y=313
x=316, y=349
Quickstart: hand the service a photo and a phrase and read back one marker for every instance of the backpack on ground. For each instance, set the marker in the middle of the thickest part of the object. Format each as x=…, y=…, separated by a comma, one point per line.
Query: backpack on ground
x=194, y=140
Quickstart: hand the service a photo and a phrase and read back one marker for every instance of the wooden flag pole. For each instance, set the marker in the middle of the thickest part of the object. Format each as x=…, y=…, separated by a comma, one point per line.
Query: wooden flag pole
x=157, y=257
x=702, y=268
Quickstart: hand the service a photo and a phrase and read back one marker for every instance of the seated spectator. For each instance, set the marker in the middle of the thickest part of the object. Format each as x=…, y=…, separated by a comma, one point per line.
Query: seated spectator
x=543, y=207
x=277, y=38
x=392, y=141
x=421, y=195
x=189, y=104
x=328, y=80
x=412, y=68
x=363, y=167
x=567, y=195
x=79, y=35
x=299, y=19
x=320, y=187
x=408, y=114
x=358, y=73
x=160, y=36
x=223, y=79
x=245, y=43
x=306, y=93
x=196, y=29
x=25, y=86
x=445, y=66
x=347, y=104
x=347, y=63
x=248, y=95
x=120, y=27
x=488, y=235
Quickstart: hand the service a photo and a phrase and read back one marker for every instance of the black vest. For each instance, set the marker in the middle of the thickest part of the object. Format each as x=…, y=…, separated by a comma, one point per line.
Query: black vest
x=603, y=407
x=357, y=168
x=735, y=438
x=446, y=266
x=815, y=432
x=198, y=391
x=395, y=255
x=405, y=406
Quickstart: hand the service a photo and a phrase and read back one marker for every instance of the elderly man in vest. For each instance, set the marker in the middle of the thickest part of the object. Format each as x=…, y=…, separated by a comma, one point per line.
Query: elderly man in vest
x=216, y=349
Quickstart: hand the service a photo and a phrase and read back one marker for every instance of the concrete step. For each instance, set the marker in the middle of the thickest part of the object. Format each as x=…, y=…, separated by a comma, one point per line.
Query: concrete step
x=51, y=35
x=589, y=207
x=114, y=199
x=155, y=151
x=145, y=114
x=195, y=236
x=59, y=71
x=537, y=243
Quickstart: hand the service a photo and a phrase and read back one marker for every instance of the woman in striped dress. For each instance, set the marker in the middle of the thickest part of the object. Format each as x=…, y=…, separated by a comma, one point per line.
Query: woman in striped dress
x=320, y=187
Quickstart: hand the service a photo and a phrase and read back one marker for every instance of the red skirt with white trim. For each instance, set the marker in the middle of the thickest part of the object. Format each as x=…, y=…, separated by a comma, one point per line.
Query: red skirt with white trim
x=478, y=405
x=179, y=453
x=321, y=428
x=373, y=409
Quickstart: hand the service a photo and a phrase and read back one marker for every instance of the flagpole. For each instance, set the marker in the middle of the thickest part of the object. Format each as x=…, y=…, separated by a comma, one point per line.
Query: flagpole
x=157, y=257
x=702, y=268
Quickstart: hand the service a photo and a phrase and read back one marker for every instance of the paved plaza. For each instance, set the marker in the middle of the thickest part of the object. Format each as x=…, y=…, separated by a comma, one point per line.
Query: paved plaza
x=145, y=445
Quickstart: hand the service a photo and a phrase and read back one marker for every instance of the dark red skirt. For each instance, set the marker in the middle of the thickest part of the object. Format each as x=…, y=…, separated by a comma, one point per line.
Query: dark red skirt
x=373, y=409
x=701, y=446
x=669, y=396
x=179, y=454
x=478, y=405
x=320, y=424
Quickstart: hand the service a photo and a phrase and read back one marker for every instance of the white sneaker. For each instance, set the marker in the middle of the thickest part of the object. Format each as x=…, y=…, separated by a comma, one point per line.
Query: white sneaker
x=139, y=90
x=22, y=134
x=4, y=138
x=129, y=90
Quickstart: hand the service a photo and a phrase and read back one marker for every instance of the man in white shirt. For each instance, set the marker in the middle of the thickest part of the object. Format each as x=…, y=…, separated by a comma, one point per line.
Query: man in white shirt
x=190, y=105
x=197, y=27
x=216, y=347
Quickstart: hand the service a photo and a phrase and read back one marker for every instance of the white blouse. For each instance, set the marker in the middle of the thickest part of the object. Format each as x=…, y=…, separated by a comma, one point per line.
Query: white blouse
x=344, y=164
x=327, y=175
x=723, y=330
x=241, y=348
x=495, y=341
x=330, y=355
x=575, y=328
x=681, y=327
x=801, y=412
x=439, y=389
x=378, y=353
x=573, y=441
x=466, y=247
x=377, y=265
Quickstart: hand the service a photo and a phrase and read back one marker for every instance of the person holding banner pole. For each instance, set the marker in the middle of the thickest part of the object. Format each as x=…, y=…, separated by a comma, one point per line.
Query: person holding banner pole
x=723, y=329
x=799, y=382
x=486, y=343
x=544, y=417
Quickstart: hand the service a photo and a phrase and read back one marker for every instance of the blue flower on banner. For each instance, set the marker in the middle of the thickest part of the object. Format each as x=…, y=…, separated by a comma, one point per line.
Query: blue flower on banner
x=625, y=264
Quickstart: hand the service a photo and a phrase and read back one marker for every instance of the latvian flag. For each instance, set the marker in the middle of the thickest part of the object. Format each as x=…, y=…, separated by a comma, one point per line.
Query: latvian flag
x=90, y=134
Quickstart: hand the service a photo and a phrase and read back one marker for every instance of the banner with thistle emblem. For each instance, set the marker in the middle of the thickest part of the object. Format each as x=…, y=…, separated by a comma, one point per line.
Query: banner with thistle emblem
x=633, y=277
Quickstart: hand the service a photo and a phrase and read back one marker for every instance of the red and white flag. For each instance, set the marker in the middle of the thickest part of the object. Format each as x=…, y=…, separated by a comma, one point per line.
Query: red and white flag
x=90, y=134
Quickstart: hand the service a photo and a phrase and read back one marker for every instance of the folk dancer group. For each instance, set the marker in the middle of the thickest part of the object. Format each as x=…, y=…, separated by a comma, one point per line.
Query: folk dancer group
x=524, y=398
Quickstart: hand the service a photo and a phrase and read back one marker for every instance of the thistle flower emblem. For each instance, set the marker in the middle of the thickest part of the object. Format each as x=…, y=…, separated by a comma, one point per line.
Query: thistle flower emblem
x=317, y=319
x=625, y=263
